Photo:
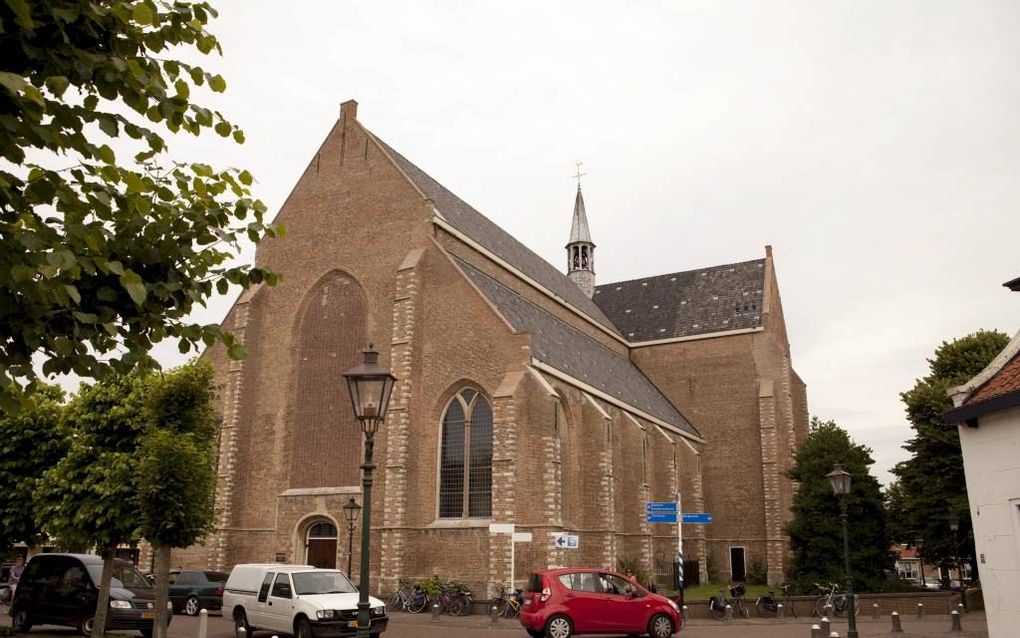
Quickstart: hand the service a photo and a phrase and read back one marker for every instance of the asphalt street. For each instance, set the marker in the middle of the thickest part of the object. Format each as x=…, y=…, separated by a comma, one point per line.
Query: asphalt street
x=420, y=626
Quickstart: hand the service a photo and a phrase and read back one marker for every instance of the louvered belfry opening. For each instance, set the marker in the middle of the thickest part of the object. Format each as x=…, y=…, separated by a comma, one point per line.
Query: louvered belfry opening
x=465, y=457
x=326, y=438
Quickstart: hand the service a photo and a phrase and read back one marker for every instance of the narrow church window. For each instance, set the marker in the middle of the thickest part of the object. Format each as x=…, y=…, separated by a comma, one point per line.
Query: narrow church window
x=584, y=257
x=465, y=463
x=577, y=260
x=644, y=458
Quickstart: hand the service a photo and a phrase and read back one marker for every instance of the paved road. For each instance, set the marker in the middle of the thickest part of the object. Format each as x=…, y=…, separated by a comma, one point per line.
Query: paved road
x=408, y=626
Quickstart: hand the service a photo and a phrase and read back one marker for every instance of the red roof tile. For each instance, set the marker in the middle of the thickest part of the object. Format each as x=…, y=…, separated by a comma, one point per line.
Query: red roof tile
x=1005, y=381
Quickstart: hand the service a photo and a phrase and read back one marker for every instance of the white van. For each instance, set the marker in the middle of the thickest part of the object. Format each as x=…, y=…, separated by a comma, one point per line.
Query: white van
x=296, y=599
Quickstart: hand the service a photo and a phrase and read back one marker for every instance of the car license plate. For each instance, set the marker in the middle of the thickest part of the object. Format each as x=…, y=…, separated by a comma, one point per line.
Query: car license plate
x=353, y=624
x=148, y=615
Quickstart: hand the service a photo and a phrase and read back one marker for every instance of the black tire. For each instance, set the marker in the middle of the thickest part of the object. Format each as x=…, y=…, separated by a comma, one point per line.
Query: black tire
x=455, y=607
x=191, y=606
x=85, y=624
x=417, y=605
x=302, y=628
x=146, y=633
x=819, y=609
x=395, y=603
x=718, y=610
x=241, y=622
x=536, y=633
x=21, y=621
x=661, y=626
x=559, y=626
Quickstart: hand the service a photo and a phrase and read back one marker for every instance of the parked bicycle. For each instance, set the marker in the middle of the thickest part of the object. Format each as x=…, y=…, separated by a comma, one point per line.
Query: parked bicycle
x=510, y=602
x=454, y=600
x=831, y=597
x=769, y=604
x=717, y=604
x=412, y=600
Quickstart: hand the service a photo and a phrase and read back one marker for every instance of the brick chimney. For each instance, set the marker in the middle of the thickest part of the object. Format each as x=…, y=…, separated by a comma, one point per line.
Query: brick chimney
x=349, y=109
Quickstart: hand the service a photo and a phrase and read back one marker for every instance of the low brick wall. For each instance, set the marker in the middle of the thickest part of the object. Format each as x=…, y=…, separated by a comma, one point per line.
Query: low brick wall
x=936, y=602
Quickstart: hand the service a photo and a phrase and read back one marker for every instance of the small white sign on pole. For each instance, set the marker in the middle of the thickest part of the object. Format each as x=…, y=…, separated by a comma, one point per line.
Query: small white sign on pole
x=522, y=537
x=501, y=528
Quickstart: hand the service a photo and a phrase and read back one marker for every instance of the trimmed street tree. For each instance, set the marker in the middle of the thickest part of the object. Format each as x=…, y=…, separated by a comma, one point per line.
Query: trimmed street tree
x=31, y=441
x=88, y=498
x=103, y=256
x=932, y=483
x=177, y=468
x=816, y=533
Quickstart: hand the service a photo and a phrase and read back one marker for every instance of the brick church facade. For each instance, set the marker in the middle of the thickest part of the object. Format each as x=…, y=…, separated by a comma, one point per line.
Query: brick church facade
x=525, y=394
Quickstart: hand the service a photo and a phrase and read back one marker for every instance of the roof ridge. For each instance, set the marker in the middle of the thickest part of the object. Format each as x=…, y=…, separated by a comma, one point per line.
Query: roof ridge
x=681, y=272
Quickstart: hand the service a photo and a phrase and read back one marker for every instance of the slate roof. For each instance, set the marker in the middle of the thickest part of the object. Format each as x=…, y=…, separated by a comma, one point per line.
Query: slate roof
x=684, y=304
x=579, y=224
x=481, y=229
x=1013, y=285
x=567, y=349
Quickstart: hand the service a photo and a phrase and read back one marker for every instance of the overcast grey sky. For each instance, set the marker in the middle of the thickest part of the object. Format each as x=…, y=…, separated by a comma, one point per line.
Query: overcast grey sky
x=873, y=144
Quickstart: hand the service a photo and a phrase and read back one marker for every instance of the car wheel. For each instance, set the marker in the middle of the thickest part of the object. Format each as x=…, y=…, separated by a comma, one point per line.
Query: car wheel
x=559, y=627
x=191, y=607
x=303, y=629
x=146, y=633
x=536, y=633
x=241, y=623
x=660, y=626
x=85, y=625
x=21, y=621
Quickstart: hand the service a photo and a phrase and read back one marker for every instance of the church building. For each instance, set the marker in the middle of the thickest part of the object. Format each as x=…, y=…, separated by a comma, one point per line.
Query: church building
x=526, y=393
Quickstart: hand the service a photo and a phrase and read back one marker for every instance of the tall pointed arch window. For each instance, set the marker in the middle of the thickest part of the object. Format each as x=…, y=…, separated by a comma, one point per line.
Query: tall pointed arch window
x=465, y=457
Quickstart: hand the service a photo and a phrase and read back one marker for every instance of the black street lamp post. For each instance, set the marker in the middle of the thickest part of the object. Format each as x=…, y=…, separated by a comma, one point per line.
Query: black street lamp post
x=351, y=512
x=840, y=480
x=370, y=386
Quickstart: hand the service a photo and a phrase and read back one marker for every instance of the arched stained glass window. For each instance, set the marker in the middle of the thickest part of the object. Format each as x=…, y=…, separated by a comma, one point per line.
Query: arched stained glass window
x=465, y=457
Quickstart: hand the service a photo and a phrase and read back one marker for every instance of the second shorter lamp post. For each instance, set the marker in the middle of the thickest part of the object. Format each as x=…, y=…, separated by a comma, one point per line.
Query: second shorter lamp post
x=370, y=386
x=351, y=512
x=840, y=480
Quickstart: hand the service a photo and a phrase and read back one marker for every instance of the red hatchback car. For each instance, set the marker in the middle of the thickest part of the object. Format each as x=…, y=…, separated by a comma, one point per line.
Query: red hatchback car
x=562, y=602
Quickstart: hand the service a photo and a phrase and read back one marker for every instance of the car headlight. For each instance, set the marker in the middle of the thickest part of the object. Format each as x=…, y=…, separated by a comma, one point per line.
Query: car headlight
x=120, y=604
x=324, y=614
x=379, y=611
x=673, y=604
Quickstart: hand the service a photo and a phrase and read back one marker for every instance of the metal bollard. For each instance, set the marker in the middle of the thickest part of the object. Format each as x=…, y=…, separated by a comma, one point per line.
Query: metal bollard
x=493, y=616
x=834, y=634
x=896, y=627
x=825, y=625
x=956, y=621
x=203, y=623
x=961, y=608
x=435, y=613
x=816, y=631
x=827, y=611
x=241, y=632
x=920, y=611
x=780, y=612
x=729, y=612
x=874, y=611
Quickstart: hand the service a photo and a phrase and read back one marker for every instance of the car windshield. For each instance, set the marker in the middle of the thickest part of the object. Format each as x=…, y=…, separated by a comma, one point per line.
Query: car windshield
x=322, y=583
x=125, y=576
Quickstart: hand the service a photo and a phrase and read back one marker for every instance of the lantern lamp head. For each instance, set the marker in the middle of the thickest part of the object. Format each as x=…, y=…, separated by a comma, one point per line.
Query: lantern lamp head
x=351, y=510
x=840, y=480
x=369, y=385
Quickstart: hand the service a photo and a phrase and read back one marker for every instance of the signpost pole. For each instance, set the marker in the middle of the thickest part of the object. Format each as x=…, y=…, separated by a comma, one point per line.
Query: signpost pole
x=679, y=549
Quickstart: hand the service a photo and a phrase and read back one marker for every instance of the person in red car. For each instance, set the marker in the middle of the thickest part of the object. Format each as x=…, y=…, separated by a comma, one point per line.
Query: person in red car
x=564, y=602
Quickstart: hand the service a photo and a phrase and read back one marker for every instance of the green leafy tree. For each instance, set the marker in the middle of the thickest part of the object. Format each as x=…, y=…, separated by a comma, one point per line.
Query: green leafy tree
x=176, y=469
x=88, y=499
x=31, y=441
x=934, y=488
x=816, y=533
x=102, y=256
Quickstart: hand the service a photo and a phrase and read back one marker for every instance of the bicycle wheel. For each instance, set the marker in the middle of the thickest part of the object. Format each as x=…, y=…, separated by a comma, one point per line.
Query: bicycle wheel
x=839, y=605
x=417, y=603
x=744, y=611
x=819, y=609
x=395, y=602
x=790, y=608
x=717, y=609
x=455, y=607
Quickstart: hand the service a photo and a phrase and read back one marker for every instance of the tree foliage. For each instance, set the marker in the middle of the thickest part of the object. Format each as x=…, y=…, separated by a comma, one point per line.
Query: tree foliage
x=88, y=499
x=932, y=487
x=816, y=533
x=176, y=469
x=102, y=256
x=31, y=441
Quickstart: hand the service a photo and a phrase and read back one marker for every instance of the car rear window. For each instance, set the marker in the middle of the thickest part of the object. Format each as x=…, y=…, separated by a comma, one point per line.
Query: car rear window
x=535, y=583
x=581, y=581
x=214, y=577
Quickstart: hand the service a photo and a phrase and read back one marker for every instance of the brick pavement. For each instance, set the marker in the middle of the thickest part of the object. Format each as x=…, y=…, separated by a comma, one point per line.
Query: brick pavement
x=420, y=626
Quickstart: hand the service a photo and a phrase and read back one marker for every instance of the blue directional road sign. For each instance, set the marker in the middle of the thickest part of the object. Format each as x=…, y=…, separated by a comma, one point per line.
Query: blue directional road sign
x=661, y=517
x=699, y=518
x=661, y=506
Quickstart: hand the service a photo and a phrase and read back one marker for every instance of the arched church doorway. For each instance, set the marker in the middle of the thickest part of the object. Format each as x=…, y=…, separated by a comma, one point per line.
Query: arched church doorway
x=320, y=545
